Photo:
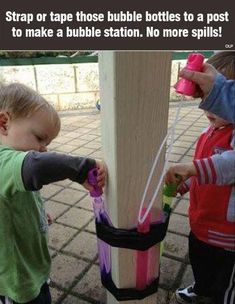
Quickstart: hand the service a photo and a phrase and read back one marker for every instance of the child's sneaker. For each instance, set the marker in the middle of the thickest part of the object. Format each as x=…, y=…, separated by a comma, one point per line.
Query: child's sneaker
x=186, y=295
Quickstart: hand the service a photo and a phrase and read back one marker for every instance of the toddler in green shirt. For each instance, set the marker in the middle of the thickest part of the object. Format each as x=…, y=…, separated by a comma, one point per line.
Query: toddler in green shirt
x=28, y=123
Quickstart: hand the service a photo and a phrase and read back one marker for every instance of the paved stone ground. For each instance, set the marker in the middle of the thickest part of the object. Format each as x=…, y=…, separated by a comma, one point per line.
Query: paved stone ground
x=75, y=271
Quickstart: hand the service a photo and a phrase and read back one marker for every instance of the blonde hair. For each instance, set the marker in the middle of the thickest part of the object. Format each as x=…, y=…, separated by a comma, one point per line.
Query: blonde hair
x=224, y=62
x=21, y=101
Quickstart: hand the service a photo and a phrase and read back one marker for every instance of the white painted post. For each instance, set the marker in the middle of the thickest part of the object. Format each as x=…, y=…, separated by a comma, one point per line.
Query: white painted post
x=135, y=90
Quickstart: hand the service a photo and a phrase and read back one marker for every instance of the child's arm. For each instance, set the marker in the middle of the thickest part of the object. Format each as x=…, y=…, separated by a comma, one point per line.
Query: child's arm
x=218, y=92
x=221, y=99
x=44, y=168
x=218, y=169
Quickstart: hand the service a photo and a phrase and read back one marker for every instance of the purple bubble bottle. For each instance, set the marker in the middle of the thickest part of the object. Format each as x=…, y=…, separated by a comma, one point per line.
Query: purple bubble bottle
x=104, y=250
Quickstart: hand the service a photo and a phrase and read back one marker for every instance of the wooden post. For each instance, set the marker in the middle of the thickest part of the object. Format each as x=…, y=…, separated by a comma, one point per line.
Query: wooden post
x=135, y=90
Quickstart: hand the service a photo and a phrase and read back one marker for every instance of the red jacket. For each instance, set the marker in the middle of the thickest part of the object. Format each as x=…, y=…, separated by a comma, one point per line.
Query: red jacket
x=212, y=204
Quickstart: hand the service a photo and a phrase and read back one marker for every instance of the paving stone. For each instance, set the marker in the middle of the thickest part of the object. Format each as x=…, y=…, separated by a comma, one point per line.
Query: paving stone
x=174, y=202
x=59, y=235
x=178, y=132
x=90, y=285
x=198, y=129
x=79, y=142
x=190, y=139
x=61, y=140
x=62, y=132
x=53, y=146
x=67, y=148
x=49, y=190
x=83, y=245
x=169, y=270
x=173, y=299
x=188, y=278
x=70, y=127
x=184, y=123
x=88, y=137
x=175, y=157
x=181, y=143
x=55, y=294
x=91, y=227
x=96, y=124
x=186, y=195
x=83, y=151
x=74, y=300
x=186, y=159
x=176, y=245
x=75, y=217
x=162, y=296
x=68, y=196
x=179, y=150
x=171, y=163
x=192, y=133
x=75, y=185
x=85, y=203
x=201, y=124
x=63, y=183
x=52, y=252
x=55, y=209
x=83, y=130
x=179, y=224
x=179, y=127
x=65, y=270
x=182, y=207
x=98, y=140
x=93, y=145
x=191, y=152
x=97, y=155
x=67, y=119
x=72, y=135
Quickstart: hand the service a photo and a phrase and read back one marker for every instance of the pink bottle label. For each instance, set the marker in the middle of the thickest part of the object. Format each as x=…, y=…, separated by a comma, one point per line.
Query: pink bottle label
x=142, y=256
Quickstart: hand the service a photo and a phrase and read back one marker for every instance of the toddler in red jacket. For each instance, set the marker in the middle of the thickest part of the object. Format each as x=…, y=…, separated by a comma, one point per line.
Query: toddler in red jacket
x=210, y=179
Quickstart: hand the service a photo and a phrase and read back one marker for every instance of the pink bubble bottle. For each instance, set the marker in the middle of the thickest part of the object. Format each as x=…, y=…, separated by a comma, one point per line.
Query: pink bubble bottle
x=142, y=258
x=194, y=63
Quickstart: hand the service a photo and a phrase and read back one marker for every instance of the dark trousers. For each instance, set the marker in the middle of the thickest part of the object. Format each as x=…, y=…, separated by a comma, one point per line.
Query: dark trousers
x=44, y=296
x=214, y=271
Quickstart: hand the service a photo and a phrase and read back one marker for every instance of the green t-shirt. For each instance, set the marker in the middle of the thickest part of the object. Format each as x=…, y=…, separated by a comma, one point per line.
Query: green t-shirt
x=24, y=256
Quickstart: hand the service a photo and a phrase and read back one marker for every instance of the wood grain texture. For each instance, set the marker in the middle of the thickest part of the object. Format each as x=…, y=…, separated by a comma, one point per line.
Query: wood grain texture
x=134, y=102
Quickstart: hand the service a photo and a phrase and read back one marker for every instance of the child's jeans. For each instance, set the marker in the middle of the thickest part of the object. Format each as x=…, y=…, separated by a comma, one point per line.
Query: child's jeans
x=44, y=297
x=214, y=271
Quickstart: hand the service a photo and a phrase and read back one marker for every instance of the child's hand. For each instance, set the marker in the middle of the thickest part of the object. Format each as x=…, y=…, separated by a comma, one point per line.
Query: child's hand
x=204, y=80
x=102, y=173
x=101, y=177
x=183, y=170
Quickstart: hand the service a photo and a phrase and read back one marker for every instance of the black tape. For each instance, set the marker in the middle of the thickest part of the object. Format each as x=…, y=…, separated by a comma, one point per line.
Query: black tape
x=126, y=294
x=131, y=239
